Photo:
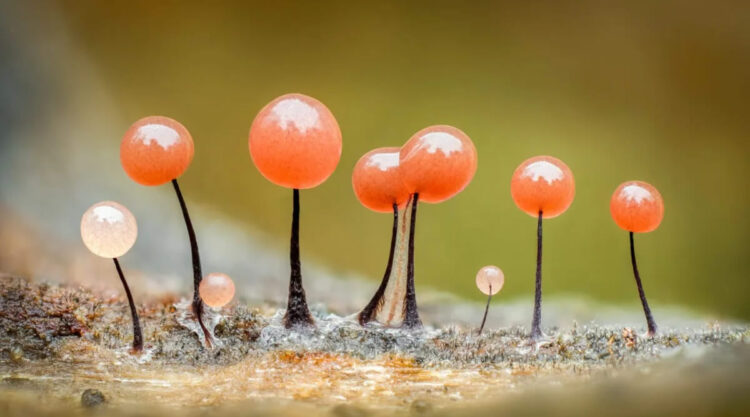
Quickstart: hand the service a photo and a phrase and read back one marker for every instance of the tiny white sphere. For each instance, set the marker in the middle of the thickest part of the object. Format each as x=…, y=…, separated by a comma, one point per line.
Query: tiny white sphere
x=490, y=279
x=108, y=229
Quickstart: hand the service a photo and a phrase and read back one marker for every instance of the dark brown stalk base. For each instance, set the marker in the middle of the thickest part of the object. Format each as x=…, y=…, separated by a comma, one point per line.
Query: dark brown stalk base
x=368, y=313
x=646, y=309
x=297, y=312
x=536, y=331
x=197, y=273
x=137, y=334
x=411, y=315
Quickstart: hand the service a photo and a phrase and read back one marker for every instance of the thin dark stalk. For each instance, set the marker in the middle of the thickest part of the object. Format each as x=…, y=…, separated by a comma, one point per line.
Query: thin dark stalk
x=536, y=331
x=649, y=318
x=368, y=312
x=197, y=274
x=411, y=319
x=486, y=310
x=297, y=312
x=137, y=335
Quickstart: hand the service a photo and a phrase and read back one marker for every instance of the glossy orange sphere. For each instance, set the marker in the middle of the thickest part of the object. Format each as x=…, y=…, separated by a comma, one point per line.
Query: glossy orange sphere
x=637, y=206
x=438, y=162
x=545, y=184
x=216, y=289
x=295, y=141
x=156, y=150
x=377, y=182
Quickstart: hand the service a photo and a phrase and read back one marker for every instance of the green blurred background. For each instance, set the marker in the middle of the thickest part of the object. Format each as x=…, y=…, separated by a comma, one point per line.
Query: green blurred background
x=655, y=91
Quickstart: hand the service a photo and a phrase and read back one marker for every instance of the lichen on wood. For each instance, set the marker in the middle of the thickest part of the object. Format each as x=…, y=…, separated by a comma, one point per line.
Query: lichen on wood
x=58, y=341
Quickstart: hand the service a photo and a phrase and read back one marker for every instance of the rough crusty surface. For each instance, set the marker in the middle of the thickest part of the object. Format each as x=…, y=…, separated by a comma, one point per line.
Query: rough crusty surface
x=38, y=318
x=57, y=342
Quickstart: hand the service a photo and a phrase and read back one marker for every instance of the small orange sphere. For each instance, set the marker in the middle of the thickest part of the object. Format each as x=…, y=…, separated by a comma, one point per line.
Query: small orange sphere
x=545, y=184
x=156, y=150
x=216, y=289
x=377, y=181
x=438, y=162
x=295, y=141
x=637, y=206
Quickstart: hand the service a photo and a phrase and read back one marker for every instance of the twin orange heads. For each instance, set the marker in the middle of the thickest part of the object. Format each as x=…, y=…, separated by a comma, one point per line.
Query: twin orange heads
x=437, y=163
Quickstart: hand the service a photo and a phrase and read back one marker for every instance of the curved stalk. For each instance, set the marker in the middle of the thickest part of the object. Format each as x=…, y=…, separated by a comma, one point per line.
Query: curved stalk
x=137, y=335
x=197, y=273
x=649, y=318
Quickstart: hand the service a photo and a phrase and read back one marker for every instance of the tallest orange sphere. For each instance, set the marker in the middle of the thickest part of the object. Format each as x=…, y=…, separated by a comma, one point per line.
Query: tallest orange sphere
x=295, y=141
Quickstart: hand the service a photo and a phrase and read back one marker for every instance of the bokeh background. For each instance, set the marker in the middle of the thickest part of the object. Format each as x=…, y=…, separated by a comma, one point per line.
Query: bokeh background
x=655, y=91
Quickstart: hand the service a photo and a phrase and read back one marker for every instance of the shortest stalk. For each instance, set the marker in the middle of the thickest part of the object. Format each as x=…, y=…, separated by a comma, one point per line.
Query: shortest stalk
x=137, y=335
x=486, y=310
x=297, y=312
x=536, y=331
x=646, y=309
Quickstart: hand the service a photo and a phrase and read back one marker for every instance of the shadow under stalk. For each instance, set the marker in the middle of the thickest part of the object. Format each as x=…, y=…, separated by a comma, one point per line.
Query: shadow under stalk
x=394, y=303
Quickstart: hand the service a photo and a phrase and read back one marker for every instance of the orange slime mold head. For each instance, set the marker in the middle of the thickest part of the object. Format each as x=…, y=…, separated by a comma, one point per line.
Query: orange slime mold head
x=545, y=184
x=438, y=162
x=377, y=181
x=295, y=141
x=156, y=150
x=637, y=206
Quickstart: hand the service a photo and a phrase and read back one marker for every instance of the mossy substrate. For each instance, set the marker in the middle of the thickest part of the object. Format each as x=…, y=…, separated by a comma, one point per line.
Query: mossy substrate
x=56, y=342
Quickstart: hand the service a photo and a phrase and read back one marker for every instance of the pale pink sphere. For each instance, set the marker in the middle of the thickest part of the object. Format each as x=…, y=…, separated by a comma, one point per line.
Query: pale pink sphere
x=490, y=279
x=108, y=229
x=216, y=289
